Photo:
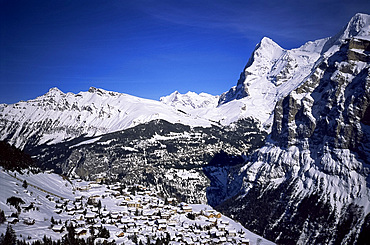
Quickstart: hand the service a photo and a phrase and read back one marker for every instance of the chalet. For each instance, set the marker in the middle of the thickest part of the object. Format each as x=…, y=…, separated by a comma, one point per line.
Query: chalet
x=213, y=221
x=148, y=212
x=171, y=200
x=78, y=198
x=90, y=217
x=94, y=185
x=70, y=208
x=209, y=213
x=81, y=231
x=217, y=215
x=245, y=241
x=83, y=188
x=29, y=221
x=135, y=231
x=105, y=213
x=58, y=228
x=226, y=222
x=232, y=233
x=13, y=220
x=172, y=223
x=100, y=240
x=223, y=240
x=120, y=234
x=80, y=223
x=59, y=205
x=165, y=215
x=134, y=204
x=187, y=209
x=161, y=221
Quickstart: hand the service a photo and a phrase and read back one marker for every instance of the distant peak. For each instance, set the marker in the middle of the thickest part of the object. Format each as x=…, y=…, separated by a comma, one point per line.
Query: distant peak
x=266, y=41
x=359, y=16
x=97, y=90
x=55, y=90
x=92, y=90
x=358, y=25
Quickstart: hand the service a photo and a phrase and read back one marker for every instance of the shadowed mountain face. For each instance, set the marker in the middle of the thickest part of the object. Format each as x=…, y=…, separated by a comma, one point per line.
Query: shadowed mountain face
x=12, y=158
x=168, y=156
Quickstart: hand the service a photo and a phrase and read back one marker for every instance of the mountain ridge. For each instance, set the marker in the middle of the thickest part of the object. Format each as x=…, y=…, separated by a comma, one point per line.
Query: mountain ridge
x=311, y=172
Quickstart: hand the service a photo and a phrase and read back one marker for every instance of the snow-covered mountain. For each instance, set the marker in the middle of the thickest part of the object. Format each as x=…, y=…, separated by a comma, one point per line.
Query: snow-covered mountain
x=311, y=173
x=58, y=116
x=190, y=100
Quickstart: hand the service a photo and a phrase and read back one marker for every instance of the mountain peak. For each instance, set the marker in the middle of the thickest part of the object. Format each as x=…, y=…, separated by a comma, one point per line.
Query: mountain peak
x=268, y=41
x=93, y=90
x=266, y=44
x=359, y=25
x=54, y=91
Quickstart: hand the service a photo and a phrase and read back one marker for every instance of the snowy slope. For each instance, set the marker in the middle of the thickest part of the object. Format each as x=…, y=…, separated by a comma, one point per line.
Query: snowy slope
x=190, y=100
x=67, y=201
x=57, y=116
x=11, y=185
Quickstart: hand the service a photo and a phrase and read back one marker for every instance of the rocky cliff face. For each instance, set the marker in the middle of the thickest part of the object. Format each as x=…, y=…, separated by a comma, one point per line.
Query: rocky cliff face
x=310, y=183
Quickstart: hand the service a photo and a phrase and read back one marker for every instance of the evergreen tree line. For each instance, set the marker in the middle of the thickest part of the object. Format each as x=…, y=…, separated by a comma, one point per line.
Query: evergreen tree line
x=70, y=238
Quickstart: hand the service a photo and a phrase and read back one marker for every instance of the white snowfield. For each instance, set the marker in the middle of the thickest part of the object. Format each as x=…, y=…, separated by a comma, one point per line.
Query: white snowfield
x=122, y=214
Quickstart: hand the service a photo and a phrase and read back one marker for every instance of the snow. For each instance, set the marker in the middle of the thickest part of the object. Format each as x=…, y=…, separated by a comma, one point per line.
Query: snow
x=86, y=142
x=56, y=116
x=48, y=191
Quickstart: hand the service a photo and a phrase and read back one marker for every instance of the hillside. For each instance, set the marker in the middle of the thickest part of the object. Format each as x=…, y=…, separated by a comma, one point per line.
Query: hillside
x=114, y=213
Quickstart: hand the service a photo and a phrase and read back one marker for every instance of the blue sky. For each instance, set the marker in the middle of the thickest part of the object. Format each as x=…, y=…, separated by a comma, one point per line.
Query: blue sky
x=149, y=48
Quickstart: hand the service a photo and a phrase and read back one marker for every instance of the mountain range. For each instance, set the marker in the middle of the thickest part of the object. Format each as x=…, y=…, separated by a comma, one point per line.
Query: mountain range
x=286, y=151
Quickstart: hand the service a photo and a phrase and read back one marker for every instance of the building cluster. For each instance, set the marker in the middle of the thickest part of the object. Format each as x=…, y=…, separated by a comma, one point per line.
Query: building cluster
x=136, y=213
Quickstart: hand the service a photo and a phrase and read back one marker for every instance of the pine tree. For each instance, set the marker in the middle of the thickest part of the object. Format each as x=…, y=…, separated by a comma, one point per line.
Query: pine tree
x=2, y=216
x=70, y=237
x=25, y=184
x=10, y=238
x=99, y=205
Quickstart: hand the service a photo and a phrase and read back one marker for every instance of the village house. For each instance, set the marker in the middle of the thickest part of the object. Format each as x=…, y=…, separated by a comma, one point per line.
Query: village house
x=81, y=231
x=12, y=220
x=90, y=217
x=58, y=228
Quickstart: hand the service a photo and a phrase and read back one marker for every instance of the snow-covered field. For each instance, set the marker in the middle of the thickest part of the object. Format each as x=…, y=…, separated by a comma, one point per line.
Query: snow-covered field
x=128, y=212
